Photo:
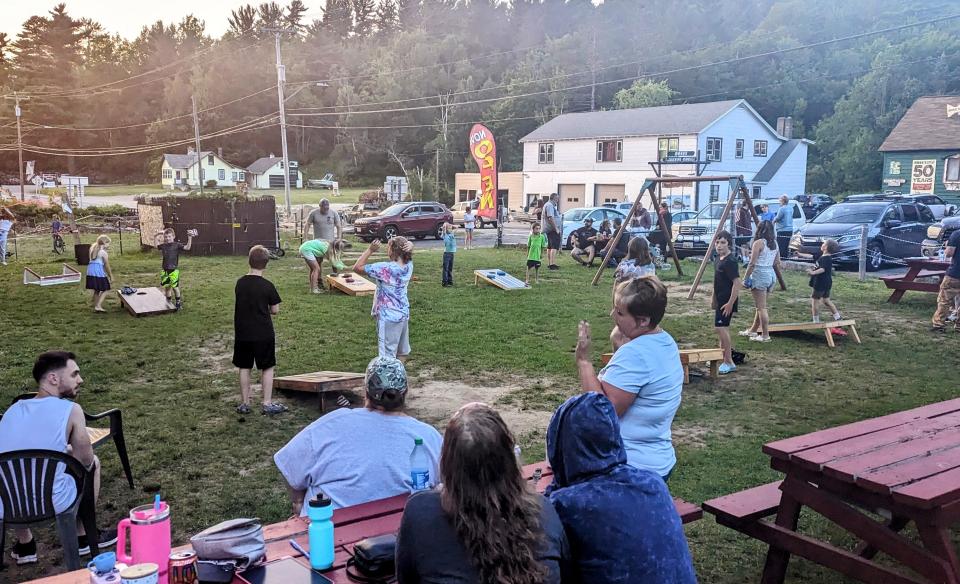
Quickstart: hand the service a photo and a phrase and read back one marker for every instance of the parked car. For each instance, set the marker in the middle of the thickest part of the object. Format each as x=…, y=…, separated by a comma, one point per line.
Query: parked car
x=460, y=209
x=360, y=210
x=574, y=219
x=938, y=234
x=623, y=206
x=895, y=229
x=417, y=219
x=813, y=203
x=692, y=237
x=682, y=216
x=938, y=206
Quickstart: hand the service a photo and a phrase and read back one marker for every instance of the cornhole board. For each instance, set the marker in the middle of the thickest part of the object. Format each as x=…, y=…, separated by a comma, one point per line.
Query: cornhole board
x=688, y=356
x=815, y=326
x=320, y=382
x=503, y=281
x=146, y=302
x=360, y=286
x=68, y=275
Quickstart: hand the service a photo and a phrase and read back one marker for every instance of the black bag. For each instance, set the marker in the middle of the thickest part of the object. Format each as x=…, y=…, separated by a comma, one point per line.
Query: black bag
x=374, y=560
x=738, y=357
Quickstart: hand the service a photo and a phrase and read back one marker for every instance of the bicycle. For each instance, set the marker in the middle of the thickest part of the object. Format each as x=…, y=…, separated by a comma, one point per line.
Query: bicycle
x=59, y=246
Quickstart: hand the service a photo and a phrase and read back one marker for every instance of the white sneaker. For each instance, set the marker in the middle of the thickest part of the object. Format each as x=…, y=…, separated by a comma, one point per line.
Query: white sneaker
x=761, y=339
x=747, y=333
x=837, y=316
x=317, y=291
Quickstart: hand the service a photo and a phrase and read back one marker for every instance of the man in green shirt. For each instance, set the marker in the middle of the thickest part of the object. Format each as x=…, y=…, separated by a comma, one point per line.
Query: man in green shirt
x=536, y=243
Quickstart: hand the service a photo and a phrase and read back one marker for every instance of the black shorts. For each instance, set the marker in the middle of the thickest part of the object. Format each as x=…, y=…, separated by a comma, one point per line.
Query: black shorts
x=553, y=240
x=818, y=294
x=719, y=320
x=248, y=353
x=533, y=264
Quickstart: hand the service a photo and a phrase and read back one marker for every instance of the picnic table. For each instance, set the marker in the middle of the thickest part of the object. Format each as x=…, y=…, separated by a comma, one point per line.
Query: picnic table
x=903, y=467
x=352, y=524
x=918, y=268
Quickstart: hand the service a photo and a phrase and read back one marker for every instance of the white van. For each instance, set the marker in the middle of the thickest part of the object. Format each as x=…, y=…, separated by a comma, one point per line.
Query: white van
x=692, y=237
x=460, y=209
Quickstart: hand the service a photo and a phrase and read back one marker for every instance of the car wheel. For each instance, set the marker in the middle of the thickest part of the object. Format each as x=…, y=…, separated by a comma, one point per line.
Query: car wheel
x=874, y=257
x=480, y=224
x=389, y=232
x=438, y=232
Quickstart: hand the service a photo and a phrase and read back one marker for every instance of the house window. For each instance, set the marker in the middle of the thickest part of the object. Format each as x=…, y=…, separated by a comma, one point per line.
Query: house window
x=714, y=193
x=756, y=192
x=951, y=171
x=167, y=173
x=243, y=176
x=233, y=175
x=760, y=148
x=714, y=149
x=739, y=153
x=221, y=174
x=210, y=160
x=609, y=150
x=665, y=145
x=546, y=153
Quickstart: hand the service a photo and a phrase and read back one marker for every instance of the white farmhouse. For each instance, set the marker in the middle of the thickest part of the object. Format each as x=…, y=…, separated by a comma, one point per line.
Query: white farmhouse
x=183, y=169
x=597, y=157
x=267, y=173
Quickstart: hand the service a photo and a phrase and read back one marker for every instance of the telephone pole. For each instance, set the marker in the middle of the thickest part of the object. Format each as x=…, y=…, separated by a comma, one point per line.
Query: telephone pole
x=281, y=82
x=16, y=110
x=196, y=138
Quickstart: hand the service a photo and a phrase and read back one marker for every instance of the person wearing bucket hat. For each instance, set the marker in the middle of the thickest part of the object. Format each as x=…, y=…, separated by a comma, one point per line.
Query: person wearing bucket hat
x=361, y=454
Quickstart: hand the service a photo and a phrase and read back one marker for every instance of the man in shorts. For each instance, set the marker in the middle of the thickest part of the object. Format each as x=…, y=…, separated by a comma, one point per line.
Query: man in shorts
x=170, y=248
x=552, y=225
x=326, y=224
x=584, y=243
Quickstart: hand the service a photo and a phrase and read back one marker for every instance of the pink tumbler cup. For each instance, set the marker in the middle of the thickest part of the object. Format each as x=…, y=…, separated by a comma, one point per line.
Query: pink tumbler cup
x=147, y=532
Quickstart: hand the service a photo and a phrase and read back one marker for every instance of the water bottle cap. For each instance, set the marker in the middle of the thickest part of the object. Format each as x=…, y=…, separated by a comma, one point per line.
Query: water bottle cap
x=418, y=441
x=321, y=500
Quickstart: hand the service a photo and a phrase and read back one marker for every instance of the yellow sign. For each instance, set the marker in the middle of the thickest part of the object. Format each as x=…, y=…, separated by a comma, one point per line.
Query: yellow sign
x=922, y=177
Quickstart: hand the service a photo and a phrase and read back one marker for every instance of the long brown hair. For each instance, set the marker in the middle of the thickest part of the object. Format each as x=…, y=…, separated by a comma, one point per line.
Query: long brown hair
x=495, y=512
x=766, y=231
x=638, y=249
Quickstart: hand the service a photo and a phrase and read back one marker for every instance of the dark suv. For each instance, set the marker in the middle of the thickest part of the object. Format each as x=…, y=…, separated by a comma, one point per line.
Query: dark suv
x=939, y=234
x=895, y=230
x=418, y=219
x=812, y=204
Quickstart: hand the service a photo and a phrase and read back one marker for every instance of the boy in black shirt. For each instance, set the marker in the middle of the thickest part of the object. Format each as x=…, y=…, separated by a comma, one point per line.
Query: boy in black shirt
x=726, y=291
x=821, y=280
x=257, y=301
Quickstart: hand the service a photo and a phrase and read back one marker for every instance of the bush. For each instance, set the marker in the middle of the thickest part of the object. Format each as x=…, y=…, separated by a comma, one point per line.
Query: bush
x=108, y=211
x=210, y=183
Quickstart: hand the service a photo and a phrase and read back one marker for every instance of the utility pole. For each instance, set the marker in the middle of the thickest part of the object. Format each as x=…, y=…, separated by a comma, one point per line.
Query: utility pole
x=436, y=185
x=281, y=82
x=196, y=138
x=16, y=110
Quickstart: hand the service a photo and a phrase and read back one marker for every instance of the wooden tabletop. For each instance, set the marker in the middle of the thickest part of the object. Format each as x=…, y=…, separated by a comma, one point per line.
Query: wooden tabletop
x=912, y=456
x=931, y=263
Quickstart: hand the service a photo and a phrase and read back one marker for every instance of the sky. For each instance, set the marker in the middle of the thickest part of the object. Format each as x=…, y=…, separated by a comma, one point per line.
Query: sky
x=127, y=17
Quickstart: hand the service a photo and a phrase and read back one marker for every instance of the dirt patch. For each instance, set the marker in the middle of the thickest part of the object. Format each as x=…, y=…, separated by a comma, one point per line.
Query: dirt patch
x=696, y=436
x=678, y=290
x=215, y=355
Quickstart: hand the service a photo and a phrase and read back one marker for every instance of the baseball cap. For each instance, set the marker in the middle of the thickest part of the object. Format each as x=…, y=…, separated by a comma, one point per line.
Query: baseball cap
x=385, y=380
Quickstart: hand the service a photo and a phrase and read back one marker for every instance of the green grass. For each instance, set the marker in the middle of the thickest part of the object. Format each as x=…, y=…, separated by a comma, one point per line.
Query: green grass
x=171, y=376
x=297, y=196
x=129, y=190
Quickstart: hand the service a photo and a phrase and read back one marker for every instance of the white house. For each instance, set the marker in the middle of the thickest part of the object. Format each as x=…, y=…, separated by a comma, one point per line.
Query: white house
x=596, y=157
x=182, y=169
x=267, y=173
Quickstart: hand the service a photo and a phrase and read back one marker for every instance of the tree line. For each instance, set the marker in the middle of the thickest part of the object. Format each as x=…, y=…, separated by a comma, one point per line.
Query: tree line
x=376, y=86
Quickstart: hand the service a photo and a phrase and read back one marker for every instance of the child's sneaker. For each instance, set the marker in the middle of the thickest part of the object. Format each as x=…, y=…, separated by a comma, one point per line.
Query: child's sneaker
x=838, y=316
x=747, y=333
x=179, y=303
x=816, y=319
x=273, y=408
x=243, y=409
x=761, y=338
x=725, y=369
x=317, y=291
x=24, y=553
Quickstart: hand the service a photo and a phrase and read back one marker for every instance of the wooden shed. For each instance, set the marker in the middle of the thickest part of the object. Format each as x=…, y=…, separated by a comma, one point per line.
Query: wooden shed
x=225, y=226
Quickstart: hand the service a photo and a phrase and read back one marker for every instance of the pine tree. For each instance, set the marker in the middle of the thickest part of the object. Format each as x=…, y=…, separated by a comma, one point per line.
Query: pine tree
x=242, y=21
x=387, y=18
x=338, y=18
x=363, y=17
x=294, y=17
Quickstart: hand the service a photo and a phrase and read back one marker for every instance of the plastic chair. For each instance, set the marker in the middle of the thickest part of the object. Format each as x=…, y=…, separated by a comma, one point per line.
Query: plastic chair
x=26, y=490
x=100, y=436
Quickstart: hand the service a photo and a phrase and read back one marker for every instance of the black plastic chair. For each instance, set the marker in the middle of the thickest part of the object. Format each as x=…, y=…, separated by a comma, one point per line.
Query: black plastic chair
x=100, y=436
x=26, y=490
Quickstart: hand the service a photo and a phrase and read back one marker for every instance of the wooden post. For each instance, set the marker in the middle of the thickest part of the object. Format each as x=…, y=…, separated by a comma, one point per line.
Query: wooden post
x=863, y=253
x=616, y=238
x=120, y=236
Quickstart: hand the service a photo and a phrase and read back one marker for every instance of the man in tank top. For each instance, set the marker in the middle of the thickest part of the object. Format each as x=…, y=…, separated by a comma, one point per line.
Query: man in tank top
x=50, y=421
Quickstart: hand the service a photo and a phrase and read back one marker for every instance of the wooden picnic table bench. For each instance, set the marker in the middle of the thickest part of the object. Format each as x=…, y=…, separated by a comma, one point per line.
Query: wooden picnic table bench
x=688, y=357
x=903, y=467
x=352, y=524
x=917, y=268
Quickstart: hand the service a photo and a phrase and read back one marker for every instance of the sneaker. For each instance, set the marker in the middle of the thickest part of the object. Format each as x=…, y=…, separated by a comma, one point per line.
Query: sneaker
x=724, y=368
x=273, y=408
x=838, y=316
x=317, y=291
x=25, y=553
x=747, y=333
x=761, y=339
x=243, y=409
x=553, y=267
x=108, y=537
x=816, y=319
x=179, y=304
x=938, y=329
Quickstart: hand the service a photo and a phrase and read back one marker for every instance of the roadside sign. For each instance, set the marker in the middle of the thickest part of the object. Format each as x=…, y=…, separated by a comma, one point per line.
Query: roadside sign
x=922, y=176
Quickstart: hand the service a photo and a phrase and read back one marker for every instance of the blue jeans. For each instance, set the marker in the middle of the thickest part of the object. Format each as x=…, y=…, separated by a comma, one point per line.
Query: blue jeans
x=3, y=246
x=447, y=268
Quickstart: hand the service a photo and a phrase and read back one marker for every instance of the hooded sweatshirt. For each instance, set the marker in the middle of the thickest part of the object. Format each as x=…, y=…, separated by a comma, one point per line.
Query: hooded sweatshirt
x=620, y=520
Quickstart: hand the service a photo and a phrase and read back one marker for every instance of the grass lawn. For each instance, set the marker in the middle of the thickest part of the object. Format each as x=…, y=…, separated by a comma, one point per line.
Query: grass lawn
x=171, y=375
x=297, y=196
x=130, y=190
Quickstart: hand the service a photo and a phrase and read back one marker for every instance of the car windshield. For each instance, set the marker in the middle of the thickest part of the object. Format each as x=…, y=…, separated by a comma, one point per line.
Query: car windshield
x=850, y=213
x=576, y=214
x=393, y=209
x=712, y=211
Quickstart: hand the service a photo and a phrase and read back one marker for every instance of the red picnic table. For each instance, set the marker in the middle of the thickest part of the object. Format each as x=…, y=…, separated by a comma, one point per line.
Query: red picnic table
x=918, y=268
x=903, y=467
x=351, y=525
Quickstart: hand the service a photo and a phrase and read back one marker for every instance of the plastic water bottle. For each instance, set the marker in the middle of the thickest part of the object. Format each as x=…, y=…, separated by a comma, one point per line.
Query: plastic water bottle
x=942, y=254
x=419, y=466
x=320, y=532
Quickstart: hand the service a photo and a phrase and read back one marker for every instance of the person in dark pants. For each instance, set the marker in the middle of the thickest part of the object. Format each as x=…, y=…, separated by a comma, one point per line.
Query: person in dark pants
x=658, y=236
x=449, y=248
x=744, y=224
x=783, y=221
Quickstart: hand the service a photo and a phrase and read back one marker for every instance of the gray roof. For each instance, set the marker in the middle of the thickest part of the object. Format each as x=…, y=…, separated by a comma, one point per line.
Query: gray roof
x=926, y=126
x=261, y=165
x=768, y=170
x=688, y=118
x=183, y=160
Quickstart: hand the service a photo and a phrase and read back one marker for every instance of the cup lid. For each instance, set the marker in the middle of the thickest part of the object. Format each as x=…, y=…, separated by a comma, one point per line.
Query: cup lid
x=321, y=500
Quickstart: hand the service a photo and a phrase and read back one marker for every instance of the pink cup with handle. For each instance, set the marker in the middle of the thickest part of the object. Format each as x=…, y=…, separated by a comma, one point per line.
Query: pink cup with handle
x=147, y=532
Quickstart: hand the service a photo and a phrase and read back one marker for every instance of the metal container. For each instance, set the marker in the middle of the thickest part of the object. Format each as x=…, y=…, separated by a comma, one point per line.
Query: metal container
x=183, y=568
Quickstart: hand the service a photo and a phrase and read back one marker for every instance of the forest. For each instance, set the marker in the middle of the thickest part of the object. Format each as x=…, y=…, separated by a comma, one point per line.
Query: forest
x=377, y=87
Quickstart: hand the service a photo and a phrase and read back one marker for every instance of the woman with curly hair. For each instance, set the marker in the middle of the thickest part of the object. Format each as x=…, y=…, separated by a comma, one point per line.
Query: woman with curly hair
x=485, y=525
x=391, y=307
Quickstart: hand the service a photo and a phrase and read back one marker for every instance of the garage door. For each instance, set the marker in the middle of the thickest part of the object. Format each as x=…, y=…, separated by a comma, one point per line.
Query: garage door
x=276, y=181
x=571, y=196
x=608, y=194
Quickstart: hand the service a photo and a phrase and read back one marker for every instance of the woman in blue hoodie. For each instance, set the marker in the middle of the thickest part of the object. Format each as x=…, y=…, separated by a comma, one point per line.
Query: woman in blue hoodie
x=620, y=520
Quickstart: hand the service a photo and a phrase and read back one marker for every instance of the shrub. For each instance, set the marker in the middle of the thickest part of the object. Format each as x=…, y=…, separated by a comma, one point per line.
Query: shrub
x=210, y=183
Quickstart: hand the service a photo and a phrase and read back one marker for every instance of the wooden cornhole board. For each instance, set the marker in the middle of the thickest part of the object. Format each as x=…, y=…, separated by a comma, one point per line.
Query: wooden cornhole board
x=824, y=326
x=68, y=275
x=504, y=281
x=146, y=302
x=687, y=356
x=320, y=382
x=360, y=286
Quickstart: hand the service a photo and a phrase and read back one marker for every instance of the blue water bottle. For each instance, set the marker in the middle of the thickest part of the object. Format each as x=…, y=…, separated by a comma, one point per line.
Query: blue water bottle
x=320, y=532
x=419, y=466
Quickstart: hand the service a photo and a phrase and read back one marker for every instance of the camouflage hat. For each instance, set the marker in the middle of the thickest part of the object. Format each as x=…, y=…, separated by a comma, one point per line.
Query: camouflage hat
x=385, y=375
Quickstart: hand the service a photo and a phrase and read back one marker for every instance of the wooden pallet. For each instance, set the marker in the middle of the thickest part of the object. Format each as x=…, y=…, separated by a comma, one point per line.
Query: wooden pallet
x=498, y=278
x=320, y=382
x=146, y=302
x=824, y=326
x=68, y=275
x=358, y=286
x=687, y=356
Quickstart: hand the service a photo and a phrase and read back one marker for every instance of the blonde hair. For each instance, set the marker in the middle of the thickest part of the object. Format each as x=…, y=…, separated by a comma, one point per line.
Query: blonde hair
x=169, y=231
x=646, y=296
x=98, y=245
x=258, y=257
x=400, y=248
